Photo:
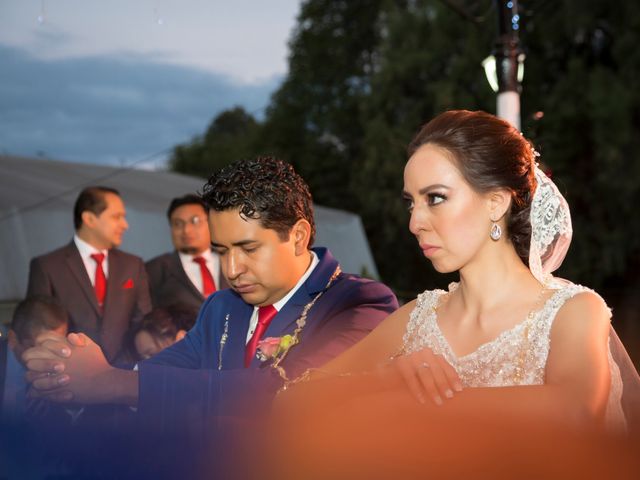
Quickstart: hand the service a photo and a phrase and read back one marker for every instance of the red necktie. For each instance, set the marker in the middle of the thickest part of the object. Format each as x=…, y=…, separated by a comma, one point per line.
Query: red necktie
x=100, y=284
x=208, y=284
x=265, y=315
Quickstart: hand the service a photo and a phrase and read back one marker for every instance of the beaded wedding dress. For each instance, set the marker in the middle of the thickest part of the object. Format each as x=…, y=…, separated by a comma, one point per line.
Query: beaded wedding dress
x=517, y=356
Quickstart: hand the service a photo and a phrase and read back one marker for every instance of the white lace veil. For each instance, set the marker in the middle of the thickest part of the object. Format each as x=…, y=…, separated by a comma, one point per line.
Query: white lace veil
x=551, y=233
x=551, y=229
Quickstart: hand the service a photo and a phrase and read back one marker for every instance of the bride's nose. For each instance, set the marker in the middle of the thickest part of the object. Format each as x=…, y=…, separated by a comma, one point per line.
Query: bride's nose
x=419, y=220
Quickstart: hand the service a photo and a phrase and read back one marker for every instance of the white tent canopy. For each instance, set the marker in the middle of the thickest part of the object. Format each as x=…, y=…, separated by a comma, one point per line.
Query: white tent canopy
x=36, y=204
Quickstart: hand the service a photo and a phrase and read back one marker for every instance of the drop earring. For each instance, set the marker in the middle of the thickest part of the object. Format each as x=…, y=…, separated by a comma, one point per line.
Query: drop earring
x=496, y=232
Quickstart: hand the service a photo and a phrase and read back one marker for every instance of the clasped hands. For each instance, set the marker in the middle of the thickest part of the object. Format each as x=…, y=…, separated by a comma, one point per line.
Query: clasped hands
x=71, y=369
x=66, y=369
x=427, y=375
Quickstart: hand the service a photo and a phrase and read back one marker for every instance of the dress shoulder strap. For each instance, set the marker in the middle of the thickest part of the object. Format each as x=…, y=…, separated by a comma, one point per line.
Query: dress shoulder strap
x=420, y=316
x=428, y=299
x=570, y=290
x=547, y=315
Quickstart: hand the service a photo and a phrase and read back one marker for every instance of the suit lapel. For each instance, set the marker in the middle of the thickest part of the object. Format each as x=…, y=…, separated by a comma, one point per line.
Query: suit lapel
x=177, y=271
x=76, y=265
x=239, y=316
x=284, y=322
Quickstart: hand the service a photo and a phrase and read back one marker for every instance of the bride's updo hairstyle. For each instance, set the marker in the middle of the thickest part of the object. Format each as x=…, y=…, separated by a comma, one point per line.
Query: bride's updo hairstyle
x=491, y=154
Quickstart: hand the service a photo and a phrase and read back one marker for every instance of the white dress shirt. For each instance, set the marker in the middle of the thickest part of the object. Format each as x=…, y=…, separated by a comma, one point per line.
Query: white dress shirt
x=253, y=323
x=192, y=269
x=90, y=264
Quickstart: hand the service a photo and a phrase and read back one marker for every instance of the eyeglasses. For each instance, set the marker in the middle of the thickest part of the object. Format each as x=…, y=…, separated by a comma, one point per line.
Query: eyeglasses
x=179, y=224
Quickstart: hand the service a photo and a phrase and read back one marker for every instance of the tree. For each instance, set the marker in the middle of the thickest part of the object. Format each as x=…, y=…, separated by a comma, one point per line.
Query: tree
x=232, y=135
x=314, y=119
x=365, y=75
x=581, y=67
x=428, y=62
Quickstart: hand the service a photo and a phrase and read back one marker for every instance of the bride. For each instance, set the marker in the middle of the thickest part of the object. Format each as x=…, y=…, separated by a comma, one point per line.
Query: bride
x=481, y=206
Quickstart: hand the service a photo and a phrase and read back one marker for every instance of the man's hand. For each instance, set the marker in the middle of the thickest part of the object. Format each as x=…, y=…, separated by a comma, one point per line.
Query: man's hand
x=71, y=369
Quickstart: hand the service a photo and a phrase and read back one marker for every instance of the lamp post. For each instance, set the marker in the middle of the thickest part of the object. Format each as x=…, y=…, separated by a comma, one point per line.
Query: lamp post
x=505, y=67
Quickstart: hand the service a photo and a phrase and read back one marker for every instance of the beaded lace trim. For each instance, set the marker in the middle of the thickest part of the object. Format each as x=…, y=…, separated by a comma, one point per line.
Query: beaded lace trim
x=517, y=356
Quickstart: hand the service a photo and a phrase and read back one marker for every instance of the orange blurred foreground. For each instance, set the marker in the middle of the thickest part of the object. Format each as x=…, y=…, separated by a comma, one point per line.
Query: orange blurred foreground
x=389, y=435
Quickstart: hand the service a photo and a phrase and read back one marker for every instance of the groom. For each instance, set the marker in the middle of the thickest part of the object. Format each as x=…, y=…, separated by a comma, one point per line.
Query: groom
x=262, y=227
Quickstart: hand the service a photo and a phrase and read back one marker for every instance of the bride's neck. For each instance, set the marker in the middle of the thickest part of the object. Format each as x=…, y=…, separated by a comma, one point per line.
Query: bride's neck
x=486, y=284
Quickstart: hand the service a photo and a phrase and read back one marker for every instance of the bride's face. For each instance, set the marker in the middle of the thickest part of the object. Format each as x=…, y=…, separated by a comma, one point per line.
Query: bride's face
x=449, y=219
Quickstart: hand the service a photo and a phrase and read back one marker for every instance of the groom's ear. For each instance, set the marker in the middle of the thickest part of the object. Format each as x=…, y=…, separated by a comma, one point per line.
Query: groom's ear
x=301, y=233
x=499, y=203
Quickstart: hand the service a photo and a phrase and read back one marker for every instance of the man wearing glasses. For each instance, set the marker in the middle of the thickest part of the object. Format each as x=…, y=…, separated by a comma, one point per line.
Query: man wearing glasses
x=191, y=273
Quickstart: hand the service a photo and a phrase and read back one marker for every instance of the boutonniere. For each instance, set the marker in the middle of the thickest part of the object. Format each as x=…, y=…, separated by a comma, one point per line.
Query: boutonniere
x=272, y=347
x=127, y=284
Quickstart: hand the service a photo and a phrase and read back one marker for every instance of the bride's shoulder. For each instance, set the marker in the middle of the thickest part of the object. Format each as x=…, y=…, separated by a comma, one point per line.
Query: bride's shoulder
x=579, y=307
x=569, y=295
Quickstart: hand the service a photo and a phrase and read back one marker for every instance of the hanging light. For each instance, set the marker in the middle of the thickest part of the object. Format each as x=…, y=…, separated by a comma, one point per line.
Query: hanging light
x=489, y=65
x=520, y=73
x=490, y=70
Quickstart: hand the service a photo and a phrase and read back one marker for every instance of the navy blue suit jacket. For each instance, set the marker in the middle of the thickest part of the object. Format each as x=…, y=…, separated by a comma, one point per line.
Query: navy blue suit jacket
x=202, y=377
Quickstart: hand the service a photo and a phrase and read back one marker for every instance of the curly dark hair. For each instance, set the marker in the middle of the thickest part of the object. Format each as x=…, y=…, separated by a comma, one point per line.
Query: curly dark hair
x=490, y=154
x=263, y=188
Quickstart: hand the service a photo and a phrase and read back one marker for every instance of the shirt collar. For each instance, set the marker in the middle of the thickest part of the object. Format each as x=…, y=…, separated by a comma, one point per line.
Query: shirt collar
x=86, y=249
x=187, y=257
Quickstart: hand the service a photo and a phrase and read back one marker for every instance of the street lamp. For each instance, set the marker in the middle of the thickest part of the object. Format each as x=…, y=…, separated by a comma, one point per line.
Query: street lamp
x=505, y=67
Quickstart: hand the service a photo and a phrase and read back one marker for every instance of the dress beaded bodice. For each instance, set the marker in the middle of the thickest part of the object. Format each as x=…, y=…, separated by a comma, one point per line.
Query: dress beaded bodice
x=518, y=356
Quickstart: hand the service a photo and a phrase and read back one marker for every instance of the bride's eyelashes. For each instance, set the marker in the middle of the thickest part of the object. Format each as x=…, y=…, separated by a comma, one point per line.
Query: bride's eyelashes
x=434, y=198
x=408, y=202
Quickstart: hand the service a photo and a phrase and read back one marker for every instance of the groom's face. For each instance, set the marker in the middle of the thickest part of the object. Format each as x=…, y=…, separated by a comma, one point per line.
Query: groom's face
x=256, y=262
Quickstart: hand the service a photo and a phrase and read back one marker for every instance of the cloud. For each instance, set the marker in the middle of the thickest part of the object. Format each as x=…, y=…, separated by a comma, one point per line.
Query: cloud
x=111, y=109
x=246, y=39
x=49, y=36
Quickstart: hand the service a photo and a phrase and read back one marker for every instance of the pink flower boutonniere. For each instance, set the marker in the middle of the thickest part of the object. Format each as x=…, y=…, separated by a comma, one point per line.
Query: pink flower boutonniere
x=127, y=284
x=272, y=347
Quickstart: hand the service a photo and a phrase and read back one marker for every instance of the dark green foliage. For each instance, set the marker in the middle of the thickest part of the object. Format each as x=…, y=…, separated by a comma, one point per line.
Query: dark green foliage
x=582, y=64
x=365, y=75
x=231, y=136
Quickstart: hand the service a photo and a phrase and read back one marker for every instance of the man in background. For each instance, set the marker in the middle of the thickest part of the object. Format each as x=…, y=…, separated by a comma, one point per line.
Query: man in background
x=189, y=274
x=103, y=289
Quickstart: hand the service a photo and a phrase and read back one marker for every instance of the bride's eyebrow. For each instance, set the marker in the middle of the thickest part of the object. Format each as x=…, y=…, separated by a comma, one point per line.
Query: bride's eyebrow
x=435, y=186
x=425, y=190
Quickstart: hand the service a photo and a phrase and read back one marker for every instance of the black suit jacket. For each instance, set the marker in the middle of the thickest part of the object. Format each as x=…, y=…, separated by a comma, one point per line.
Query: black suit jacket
x=169, y=283
x=62, y=274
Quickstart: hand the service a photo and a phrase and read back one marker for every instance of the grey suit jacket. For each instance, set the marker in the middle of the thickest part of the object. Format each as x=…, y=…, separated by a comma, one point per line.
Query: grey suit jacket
x=62, y=274
x=169, y=283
